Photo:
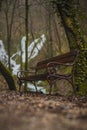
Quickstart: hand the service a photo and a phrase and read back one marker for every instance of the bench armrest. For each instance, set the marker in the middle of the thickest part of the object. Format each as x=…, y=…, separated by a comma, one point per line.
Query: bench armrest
x=54, y=67
x=59, y=63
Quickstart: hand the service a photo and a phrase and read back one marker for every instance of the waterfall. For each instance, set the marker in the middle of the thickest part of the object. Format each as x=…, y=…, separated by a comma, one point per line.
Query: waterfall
x=33, y=50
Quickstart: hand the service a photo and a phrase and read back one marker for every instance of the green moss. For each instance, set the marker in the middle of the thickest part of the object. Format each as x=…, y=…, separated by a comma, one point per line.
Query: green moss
x=8, y=77
x=69, y=13
x=83, y=89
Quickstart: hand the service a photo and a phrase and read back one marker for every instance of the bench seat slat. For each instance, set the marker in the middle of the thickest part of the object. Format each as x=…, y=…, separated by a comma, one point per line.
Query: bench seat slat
x=64, y=58
x=34, y=77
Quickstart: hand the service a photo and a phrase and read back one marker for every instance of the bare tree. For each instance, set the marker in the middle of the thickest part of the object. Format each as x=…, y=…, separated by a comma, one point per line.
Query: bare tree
x=26, y=31
x=9, y=24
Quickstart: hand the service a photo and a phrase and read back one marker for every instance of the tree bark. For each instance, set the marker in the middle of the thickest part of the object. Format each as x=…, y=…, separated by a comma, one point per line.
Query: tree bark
x=8, y=77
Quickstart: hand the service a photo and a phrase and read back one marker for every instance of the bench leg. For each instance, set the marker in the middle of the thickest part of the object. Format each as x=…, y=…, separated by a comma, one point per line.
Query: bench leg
x=72, y=83
x=51, y=85
x=35, y=85
x=19, y=88
x=51, y=82
x=50, y=89
x=74, y=89
x=20, y=83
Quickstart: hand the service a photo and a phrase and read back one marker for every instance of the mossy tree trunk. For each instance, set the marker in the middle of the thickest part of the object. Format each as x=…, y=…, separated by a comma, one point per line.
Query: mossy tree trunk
x=69, y=12
x=8, y=77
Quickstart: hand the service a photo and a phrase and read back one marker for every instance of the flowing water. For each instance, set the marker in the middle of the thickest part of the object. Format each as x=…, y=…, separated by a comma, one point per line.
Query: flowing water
x=33, y=50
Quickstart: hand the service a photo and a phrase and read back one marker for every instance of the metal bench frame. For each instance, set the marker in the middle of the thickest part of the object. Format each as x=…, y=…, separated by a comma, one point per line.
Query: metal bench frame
x=50, y=74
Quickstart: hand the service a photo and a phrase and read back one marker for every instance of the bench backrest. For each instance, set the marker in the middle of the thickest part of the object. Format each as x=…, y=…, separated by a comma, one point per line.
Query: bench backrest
x=68, y=57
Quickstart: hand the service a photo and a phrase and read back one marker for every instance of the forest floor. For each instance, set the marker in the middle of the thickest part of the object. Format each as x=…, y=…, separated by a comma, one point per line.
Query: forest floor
x=31, y=111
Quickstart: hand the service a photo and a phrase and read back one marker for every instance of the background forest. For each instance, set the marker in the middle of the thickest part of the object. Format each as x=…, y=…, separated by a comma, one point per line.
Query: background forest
x=31, y=31
x=36, y=18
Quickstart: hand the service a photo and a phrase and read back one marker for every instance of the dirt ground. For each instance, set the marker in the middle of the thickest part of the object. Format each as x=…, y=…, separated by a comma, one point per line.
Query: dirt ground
x=30, y=111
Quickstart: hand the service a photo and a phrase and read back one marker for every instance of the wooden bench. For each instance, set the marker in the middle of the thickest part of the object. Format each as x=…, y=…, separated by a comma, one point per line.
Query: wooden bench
x=49, y=69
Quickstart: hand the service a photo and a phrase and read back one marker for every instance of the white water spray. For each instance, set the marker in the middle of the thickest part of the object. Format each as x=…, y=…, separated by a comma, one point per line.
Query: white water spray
x=33, y=50
x=3, y=54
